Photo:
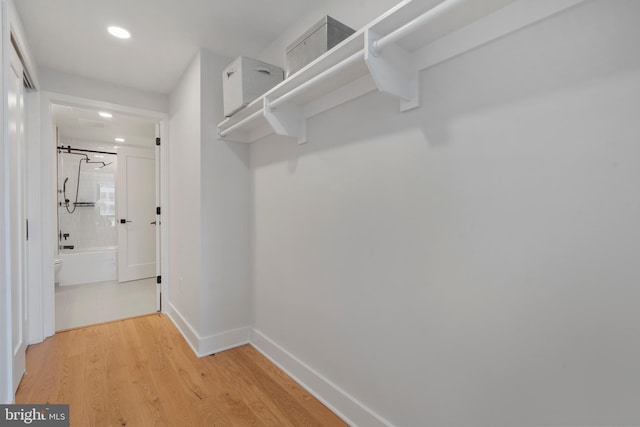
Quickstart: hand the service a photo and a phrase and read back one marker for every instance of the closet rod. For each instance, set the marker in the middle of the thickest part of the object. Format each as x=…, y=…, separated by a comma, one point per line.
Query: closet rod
x=242, y=122
x=329, y=72
x=420, y=21
x=69, y=149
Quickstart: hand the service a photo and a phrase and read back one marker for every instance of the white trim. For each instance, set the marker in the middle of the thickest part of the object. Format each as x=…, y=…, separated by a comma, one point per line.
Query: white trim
x=76, y=101
x=48, y=191
x=224, y=341
x=352, y=411
x=164, y=215
x=6, y=365
x=157, y=219
x=188, y=332
x=17, y=30
x=48, y=226
x=205, y=346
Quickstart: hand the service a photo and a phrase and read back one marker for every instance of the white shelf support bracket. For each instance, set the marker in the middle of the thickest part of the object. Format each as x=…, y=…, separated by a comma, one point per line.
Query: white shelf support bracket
x=287, y=119
x=393, y=70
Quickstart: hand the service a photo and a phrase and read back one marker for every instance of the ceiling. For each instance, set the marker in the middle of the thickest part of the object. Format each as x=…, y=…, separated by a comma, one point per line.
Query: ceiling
x=70, y=35
x=84, y=128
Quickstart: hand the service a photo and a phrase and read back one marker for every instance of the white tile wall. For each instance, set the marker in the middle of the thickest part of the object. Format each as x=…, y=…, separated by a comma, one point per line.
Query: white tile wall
x=88, y=227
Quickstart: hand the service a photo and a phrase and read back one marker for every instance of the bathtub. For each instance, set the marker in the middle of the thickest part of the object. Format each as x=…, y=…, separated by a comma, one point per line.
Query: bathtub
x=88, y=266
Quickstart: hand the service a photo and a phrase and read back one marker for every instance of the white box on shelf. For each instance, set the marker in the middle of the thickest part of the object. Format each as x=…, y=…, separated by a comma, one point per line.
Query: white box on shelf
x=244, y=80
x=320, y=38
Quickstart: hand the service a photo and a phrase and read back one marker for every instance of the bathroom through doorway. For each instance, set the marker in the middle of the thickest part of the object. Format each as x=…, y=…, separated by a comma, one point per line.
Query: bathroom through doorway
x=107, y=194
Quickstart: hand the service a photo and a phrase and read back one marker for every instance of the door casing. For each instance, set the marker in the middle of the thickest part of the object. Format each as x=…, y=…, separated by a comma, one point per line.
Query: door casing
x=48, y=199
x=15, y=198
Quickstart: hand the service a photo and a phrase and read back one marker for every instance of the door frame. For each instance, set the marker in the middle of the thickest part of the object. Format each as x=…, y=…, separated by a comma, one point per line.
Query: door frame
x=16, y=245
x=46, y=326
x=12, y=33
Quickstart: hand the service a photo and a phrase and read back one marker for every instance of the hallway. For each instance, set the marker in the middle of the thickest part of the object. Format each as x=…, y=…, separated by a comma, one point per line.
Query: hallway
x=141, y=372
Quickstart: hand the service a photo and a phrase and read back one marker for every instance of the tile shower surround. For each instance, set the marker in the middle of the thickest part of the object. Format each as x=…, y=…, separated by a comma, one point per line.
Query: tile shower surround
x=89, y=228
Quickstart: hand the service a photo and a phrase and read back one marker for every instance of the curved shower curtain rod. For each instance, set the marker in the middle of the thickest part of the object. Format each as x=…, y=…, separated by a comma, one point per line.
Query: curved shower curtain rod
x=86, y=159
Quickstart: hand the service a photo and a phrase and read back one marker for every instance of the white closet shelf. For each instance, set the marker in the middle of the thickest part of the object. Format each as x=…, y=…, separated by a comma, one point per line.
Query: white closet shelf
x=386, y=55
x=252, y=123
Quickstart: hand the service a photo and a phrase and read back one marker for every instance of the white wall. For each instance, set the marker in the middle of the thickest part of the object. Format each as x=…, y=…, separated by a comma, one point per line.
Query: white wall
x=209, y=215
x=184, y=197
x=474, y=261
x=82, y=87
x=36, y=214
x=225, y=205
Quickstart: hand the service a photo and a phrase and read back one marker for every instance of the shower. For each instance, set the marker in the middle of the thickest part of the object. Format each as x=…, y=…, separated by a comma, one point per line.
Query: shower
x=85, y=158
x=85, y=182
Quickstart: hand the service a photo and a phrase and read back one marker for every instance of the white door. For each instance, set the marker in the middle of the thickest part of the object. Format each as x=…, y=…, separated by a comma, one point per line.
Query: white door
x=136, y=198
x=17, y=227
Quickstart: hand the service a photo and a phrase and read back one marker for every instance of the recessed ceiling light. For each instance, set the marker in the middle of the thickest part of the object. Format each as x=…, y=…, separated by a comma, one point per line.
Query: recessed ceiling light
x=118, y=32
x=119, y=139
x=105, y=114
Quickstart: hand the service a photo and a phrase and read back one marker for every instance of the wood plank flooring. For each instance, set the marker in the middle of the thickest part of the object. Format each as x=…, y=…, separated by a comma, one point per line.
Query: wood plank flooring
x=141, y=372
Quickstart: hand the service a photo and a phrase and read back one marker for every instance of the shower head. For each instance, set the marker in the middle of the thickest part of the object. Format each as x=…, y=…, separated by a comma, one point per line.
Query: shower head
x=64, y=190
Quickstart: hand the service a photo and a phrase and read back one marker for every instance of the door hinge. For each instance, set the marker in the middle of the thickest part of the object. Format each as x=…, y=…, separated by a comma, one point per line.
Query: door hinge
x=158, y=279
x=158, y=210
x=158, y=141
x=27, y=228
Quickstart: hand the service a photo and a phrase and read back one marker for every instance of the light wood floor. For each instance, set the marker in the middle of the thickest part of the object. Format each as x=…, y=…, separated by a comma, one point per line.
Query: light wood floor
x=141, y=372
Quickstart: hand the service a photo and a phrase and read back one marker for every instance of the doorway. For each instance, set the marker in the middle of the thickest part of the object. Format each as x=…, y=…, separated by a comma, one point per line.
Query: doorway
x=106, y=263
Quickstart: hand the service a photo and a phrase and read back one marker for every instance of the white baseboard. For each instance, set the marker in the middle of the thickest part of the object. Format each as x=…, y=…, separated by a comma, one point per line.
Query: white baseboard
x=339, y=401
x=331, y=395
x=187, y=331
x=204, y=346
x=224, y=341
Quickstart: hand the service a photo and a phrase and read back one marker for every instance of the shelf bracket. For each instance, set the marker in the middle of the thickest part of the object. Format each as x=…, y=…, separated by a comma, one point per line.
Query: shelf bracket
x=287, y=119
x=393, y=70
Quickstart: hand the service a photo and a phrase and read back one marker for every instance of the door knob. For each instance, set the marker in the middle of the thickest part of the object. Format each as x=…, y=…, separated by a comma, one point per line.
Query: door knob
x=154, y=222
x=123, y=221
